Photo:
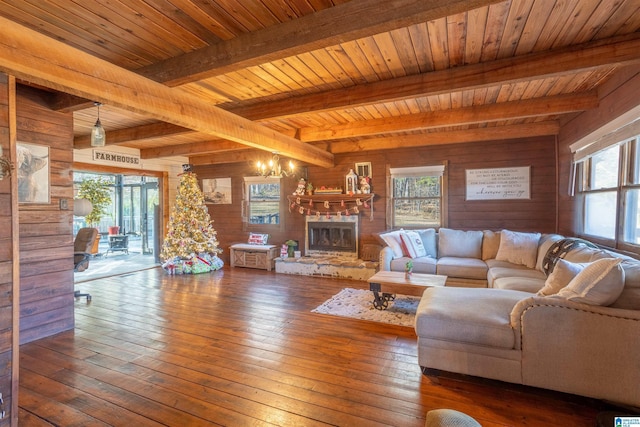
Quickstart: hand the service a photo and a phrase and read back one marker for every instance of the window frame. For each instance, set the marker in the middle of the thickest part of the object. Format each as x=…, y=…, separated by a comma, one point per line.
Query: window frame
x=439, y=170
x=628, y=179
x=246, y=225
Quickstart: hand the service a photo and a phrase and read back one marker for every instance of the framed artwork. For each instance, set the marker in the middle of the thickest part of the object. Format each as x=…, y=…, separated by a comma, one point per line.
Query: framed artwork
x=217, y=191
x=33, y=173
x=498, y=183
x=364, y=169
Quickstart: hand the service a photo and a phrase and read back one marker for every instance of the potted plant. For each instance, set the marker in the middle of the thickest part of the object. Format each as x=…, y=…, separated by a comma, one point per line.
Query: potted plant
x=96, y=191
x=408, y=269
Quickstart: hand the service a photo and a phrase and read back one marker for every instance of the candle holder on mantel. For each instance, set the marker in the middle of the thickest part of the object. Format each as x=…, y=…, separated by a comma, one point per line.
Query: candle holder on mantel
x=351, y=183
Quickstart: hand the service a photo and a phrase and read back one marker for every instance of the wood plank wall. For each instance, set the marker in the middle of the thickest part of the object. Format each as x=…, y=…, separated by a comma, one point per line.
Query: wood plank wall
x=46, y=240
x=6, y=279
x=537, y=214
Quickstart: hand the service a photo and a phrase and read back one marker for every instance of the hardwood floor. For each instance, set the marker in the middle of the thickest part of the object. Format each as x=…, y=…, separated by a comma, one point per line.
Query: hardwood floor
x=240, y=347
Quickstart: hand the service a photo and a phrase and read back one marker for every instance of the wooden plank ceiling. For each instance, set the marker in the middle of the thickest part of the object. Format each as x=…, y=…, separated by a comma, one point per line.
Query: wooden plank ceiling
x=345, y=75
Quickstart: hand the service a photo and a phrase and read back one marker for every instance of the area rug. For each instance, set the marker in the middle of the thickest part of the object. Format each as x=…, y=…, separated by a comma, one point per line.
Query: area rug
x=356, y=303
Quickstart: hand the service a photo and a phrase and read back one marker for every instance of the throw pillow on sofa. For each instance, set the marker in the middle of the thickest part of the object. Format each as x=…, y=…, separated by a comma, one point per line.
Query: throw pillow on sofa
x=412, y=244
x=563, y=273
x=490, y=244
x=393, y=240
x=429, y=241
x=599, y=283
x=458, y=243
x=518, y=248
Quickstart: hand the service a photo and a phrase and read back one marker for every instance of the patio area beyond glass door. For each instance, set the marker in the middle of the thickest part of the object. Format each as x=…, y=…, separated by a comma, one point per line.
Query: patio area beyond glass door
x=139, y=198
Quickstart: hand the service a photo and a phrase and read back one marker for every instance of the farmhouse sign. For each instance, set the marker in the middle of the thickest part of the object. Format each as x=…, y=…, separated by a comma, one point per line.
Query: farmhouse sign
x=113, y=158
x=498, y=183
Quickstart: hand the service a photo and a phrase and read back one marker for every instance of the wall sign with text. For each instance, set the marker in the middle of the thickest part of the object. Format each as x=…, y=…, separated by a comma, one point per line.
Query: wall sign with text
x=498, y=183
x=114, y=158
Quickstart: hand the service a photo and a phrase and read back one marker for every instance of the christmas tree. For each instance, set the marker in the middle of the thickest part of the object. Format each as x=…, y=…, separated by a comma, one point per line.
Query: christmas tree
x=191, y=242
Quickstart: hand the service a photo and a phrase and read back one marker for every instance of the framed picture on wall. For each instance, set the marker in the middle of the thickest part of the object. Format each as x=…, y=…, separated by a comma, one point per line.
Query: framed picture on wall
x=217, y=191
x=33, y=173
x=364, y=169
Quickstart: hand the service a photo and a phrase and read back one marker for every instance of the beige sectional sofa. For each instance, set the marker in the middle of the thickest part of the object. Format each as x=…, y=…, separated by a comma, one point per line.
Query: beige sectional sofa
x=575, y=330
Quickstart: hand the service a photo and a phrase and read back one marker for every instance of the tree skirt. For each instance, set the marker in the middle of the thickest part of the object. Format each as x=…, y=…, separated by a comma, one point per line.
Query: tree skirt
x=357, y=303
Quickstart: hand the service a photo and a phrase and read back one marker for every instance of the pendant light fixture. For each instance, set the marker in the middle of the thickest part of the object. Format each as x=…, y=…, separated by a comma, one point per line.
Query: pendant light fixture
x=98, y=137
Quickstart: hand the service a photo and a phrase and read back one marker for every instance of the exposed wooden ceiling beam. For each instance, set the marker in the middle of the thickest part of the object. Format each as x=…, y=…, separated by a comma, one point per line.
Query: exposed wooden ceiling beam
x=67, y=103
x=345, y=22
x=243, y=156
x=559, y=104
x=614, y=51
x=217, y=146
x=136, y=133
x=450, y=137
x=34, y=57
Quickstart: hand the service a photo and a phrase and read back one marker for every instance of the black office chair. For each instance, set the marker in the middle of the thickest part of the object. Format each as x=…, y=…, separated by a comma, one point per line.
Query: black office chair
x=82, y=246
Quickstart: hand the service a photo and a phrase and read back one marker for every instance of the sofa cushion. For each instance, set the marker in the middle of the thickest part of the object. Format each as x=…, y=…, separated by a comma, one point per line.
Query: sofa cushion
x=518, y=248
x=490, y=244
x=563, y=272
x=525, y=284
x=429, y=241
x=494, y=263
x=599, y=283
x=586, y=254
x=468, y=268
x=513, y=270
x=393, y=240
x=458, y=243
x=412, y=244
x=426, y=265
x=468, y=315
x=630, y=297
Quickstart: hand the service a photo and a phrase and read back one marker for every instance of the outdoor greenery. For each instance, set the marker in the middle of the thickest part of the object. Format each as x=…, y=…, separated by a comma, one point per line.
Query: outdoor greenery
x=264, y=203
x=98, y=192
x=416, y=201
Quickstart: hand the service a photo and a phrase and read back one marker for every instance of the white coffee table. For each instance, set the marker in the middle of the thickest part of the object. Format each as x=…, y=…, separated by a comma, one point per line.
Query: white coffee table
x=396, y=282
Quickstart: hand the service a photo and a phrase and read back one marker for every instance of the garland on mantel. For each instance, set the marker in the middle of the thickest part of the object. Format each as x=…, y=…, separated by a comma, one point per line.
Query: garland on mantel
x=307, y=206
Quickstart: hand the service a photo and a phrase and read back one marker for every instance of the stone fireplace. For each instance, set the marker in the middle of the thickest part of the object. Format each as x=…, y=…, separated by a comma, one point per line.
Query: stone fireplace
x=333, y=236
x=330, y=249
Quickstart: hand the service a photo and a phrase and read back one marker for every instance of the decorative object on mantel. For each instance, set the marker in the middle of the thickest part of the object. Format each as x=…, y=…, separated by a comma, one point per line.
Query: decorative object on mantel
x=365, y=185
x=272, y=168
x=5, y=165
x=301, y=188
x=351, y=183
x=321, y=204
x=328, y=190
x=98, y=135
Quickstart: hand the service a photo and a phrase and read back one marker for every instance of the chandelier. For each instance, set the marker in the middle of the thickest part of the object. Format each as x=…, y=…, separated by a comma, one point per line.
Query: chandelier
x=273, y=169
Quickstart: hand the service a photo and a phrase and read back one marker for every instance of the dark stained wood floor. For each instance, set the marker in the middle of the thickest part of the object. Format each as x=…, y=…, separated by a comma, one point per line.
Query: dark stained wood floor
x=240, y=347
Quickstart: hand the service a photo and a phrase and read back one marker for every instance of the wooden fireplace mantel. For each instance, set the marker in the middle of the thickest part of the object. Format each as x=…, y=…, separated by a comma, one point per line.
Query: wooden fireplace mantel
x=331, y=204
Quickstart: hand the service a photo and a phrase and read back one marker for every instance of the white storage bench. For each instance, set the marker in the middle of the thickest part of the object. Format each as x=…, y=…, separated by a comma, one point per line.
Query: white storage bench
x=254, y=256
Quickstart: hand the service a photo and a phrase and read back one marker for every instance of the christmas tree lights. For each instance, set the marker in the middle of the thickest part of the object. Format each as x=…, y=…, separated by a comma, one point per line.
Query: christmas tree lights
x=191, y=241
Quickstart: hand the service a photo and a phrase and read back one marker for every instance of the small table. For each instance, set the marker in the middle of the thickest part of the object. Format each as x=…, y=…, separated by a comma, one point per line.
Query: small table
x=253, y=256
x=118, y=242
x=397, y=283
